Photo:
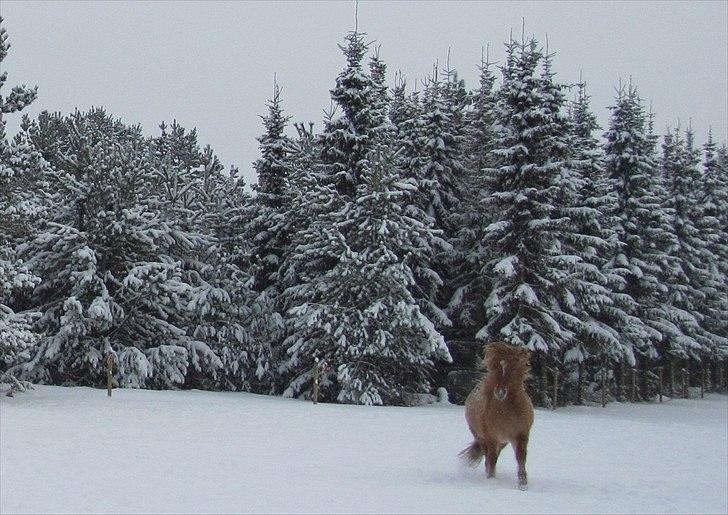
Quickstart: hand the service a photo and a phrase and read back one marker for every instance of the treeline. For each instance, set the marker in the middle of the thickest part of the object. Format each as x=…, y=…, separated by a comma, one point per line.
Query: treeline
x=414, y=227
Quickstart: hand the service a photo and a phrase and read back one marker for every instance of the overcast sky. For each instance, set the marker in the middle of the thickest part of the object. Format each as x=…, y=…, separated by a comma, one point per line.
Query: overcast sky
x=210, y=65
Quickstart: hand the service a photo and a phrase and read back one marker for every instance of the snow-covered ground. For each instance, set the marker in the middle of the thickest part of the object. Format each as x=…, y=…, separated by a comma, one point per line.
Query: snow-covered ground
x=75, y=450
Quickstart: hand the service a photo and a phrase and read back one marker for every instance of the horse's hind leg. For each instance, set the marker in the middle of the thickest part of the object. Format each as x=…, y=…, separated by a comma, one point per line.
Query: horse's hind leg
x=520, y=445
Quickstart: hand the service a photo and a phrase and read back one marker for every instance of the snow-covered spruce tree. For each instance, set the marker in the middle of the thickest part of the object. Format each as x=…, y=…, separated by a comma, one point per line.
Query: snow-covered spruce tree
x=713, y=226
x=480, y=122
x=228, y=315
x=325, y=191
x=348, y=138
x=465, y=305
x=360, y=315
x=587, y=308
x=452, y=182
x=536, y=291
x=121, y=270
x=693, y=287
x=21, y=171
x=406, y=117
x=274, y=145
x=381, y=98
x=603, y=314
x=268, y=233
x=194, y=196
x=324, y=179
x=440, y=143
x=439, y=173
x=642, y=226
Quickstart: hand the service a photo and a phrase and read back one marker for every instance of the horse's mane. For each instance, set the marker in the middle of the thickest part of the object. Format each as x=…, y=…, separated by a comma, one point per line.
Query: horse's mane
x=517, y=359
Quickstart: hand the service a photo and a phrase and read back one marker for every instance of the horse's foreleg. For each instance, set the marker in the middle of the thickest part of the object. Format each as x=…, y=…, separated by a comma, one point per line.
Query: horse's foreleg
x=492, y=450
x=520, y=446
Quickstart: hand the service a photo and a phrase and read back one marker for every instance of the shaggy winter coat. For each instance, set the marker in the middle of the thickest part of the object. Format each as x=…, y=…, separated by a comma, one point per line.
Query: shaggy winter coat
x=499, y=411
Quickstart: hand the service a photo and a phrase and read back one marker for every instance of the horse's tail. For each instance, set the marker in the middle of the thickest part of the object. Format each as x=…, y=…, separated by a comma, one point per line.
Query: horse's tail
x=472, y=454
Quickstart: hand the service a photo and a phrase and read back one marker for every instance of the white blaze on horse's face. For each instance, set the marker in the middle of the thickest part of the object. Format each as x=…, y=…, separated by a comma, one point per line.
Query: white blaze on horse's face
x=503, y=364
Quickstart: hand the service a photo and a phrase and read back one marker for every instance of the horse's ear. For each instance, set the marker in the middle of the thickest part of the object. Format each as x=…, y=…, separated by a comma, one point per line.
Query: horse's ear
x=525, y=354
x=492, y=351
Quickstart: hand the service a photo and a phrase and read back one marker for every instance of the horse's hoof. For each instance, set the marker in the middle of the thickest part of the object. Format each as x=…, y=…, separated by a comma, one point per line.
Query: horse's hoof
x=523, y=487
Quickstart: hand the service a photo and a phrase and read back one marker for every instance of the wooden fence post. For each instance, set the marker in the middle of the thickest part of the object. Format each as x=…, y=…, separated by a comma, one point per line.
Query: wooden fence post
x=702, y=381
x=580, y=385
x=633, y=390
x=315, y=380
x=556, y=388
x=109, y=367
x=659, y=383
x=604, y=383
x=672, y=378
x=685, y=383
x=714, y=378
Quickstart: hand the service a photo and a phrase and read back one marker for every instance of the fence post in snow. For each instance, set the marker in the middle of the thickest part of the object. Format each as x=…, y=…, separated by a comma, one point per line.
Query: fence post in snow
x=315, y=380
x=604, y=383
x=659, y=383
x=556, y=388
x=684, y=383
x=109, y=367
x=702, y=381
x=580, y=385
x=633, y=390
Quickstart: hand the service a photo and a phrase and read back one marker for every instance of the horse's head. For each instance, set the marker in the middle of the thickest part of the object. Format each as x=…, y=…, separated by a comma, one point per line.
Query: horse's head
x=508, y=365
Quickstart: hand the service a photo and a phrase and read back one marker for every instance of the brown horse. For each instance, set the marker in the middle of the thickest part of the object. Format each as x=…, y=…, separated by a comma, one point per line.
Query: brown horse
x=499, y=411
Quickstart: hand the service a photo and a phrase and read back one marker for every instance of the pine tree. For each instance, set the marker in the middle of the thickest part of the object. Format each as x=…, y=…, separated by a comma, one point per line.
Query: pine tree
x=21, y=171
x=521, y=247
x=228, y=310
x=693, y=286
x=589, y=238
x=406, y=117
x=480, y=137
x=480, y=125
x=268, y=233
x=360, y=315
x=347, y=140
x=440, y=168
x=271, y=168
x=323, y=276
x=122, y=263
x=381, y=99
x=642, y=227
x=713, y=224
